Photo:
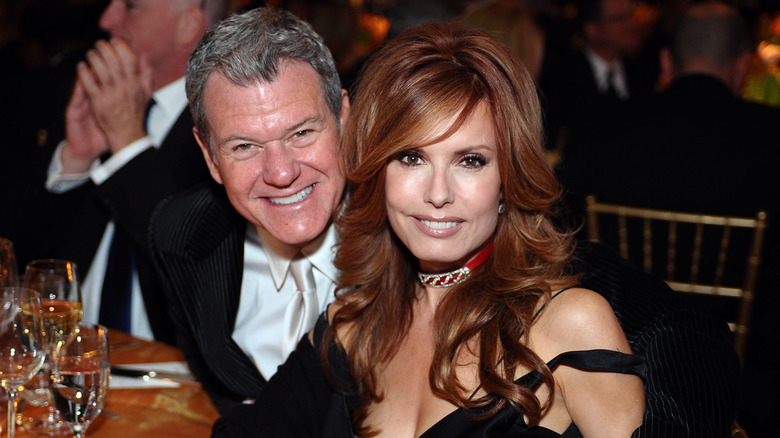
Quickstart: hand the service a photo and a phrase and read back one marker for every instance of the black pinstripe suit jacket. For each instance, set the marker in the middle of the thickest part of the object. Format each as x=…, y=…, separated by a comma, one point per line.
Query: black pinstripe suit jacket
x=197, y=241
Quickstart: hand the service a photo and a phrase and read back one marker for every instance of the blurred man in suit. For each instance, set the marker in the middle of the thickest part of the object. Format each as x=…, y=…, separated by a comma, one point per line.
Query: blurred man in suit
x=693, y=145
x=128, y=144
x=248, y=267
x=598, y=72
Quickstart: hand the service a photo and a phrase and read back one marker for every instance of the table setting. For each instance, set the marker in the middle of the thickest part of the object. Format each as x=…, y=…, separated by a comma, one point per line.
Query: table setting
x=65, y=377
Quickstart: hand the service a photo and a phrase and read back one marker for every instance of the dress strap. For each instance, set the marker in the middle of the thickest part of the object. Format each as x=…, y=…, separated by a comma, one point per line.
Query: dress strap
x=551, y=298
x=590, y=360
x=601, y=360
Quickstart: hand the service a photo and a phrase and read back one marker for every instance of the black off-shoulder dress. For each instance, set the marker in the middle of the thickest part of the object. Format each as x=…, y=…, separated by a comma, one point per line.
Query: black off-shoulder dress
x=300, y=401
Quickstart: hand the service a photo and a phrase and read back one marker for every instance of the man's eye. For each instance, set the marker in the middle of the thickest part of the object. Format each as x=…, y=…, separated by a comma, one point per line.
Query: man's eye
x=302, y=133
x=242, y=151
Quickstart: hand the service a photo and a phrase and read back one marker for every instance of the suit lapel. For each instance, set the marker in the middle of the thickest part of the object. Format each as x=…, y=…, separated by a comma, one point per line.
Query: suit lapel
x=216, y=248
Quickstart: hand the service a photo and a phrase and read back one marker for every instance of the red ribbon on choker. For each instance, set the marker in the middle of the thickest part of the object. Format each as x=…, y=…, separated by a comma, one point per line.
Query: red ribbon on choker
x=447, y=279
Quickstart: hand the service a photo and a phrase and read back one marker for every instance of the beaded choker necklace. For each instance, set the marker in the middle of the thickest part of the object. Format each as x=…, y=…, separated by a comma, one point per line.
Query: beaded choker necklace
x=447, y=279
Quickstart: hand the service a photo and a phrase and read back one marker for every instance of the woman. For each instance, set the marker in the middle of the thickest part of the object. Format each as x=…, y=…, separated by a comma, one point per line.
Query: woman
x=445, y=322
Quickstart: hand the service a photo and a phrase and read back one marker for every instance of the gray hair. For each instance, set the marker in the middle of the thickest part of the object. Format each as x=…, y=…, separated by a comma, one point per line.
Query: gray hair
x=248, y=48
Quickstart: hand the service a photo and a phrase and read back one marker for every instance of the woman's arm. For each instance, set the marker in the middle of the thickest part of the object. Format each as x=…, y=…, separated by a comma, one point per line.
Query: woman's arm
x=601, y=404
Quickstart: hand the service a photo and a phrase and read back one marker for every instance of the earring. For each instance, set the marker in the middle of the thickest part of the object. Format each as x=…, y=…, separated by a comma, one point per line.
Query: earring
x=501, y=208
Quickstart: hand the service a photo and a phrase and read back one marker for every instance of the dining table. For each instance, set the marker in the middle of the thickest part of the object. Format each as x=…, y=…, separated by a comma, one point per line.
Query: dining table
x=148, y=407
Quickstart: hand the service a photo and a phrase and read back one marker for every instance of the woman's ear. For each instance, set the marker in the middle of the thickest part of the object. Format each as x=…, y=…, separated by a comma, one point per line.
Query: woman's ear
x=190, y=25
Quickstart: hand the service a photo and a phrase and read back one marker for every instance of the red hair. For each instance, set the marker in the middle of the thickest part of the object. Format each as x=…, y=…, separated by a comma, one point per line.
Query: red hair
x=426, y=76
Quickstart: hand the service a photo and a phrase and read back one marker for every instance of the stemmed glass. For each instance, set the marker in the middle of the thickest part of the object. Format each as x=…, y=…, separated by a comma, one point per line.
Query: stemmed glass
x=21, y=351
x=79, y=377
x=8, y=277
x=57, y=282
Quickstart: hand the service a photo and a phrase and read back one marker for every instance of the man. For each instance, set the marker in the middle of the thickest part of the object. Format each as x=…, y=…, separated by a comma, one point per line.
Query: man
x=114, y=166
x=692, y=146
x=600, y=72
x=268, y=107
x=698, y=147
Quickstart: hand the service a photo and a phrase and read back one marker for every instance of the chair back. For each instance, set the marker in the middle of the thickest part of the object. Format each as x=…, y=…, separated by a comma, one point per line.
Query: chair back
x=694, y=253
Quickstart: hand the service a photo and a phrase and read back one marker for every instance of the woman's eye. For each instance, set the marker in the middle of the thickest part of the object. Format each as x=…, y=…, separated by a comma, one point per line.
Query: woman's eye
x=474, y=161
x=409, y=158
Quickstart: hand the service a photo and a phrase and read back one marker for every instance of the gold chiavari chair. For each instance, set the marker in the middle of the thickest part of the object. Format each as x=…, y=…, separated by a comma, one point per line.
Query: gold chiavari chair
x=707, y=262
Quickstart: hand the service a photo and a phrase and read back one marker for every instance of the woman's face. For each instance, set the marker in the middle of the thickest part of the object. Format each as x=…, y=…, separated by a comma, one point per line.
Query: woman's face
x=442, y=199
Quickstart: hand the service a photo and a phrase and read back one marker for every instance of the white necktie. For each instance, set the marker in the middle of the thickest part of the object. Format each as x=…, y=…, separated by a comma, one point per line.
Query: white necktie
x=303, y=309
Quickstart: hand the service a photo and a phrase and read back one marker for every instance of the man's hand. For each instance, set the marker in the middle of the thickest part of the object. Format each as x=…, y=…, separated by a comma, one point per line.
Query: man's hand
x=119, y=86
x=106, y=110
x=84, y=140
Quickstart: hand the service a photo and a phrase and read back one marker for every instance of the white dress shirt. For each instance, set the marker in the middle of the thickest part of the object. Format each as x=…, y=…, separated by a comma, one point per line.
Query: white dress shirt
x=601, y=68
x=267, y=288
x=170, y=101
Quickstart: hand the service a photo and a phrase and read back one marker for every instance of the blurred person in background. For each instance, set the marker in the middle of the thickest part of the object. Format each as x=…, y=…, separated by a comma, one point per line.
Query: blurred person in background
x=597, y=71
x=513, y=23
x=128, y=144
x=698, y=147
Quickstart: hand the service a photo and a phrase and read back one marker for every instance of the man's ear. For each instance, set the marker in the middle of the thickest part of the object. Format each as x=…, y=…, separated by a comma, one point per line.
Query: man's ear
x=211, y=161
x=190, y=26
x=344, y=108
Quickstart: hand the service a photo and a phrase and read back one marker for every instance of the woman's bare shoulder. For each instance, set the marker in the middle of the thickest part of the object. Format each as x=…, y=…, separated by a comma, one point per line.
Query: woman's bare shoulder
x=581, y=319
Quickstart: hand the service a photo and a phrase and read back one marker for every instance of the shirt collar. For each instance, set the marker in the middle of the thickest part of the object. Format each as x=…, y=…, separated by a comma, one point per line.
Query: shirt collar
x=600, y=66
x=172, y=98
x=320, y=253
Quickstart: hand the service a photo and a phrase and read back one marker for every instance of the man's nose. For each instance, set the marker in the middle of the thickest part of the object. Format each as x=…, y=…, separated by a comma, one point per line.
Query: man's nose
x=111, y=17
x=281, y=167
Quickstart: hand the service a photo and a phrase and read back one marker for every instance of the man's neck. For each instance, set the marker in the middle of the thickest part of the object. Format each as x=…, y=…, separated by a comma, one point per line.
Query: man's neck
x=606, y=54
x=728, y=76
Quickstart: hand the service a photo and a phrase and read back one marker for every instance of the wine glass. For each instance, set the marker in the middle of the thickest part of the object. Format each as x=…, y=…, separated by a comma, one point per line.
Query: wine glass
x=8, y=277
x=79, y=377
x=8, y=270
x=21, y=351
x=57, y=282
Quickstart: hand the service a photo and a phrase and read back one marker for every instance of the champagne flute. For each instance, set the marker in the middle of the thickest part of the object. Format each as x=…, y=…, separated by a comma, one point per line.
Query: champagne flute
x=21, y=352
x=57, y=282
x=8, y=278
x=79, y=377
x=8, y=270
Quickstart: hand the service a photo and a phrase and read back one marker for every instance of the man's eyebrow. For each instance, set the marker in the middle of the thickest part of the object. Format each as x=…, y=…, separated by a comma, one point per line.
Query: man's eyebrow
x=310, y=119
x=233, y=137
x=289, y=129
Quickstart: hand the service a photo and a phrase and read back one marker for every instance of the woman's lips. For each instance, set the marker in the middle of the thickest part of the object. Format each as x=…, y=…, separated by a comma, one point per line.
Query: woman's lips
x=439, y=227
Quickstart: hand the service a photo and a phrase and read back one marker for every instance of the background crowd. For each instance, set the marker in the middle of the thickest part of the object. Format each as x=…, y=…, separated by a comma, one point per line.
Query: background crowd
x=618, y=122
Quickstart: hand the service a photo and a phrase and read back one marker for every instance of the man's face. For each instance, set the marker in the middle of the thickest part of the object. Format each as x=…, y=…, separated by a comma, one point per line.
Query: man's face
x=148, y=26
x=616, y=28
x=275, y=149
